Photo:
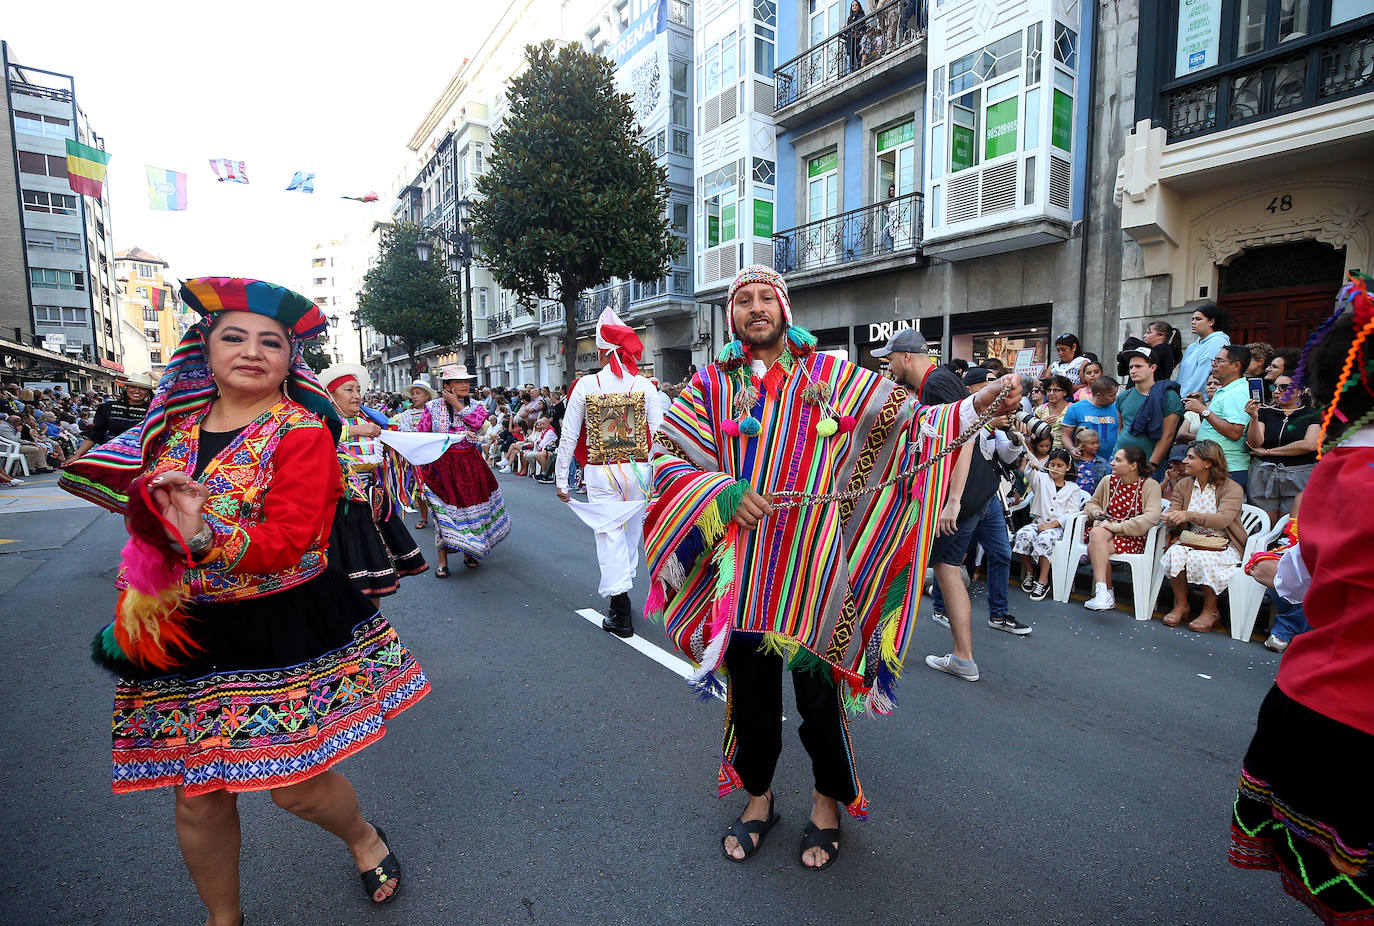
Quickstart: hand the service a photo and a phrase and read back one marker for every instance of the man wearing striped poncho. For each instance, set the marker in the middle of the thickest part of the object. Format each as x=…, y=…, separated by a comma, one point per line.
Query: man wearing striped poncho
x=746, y=585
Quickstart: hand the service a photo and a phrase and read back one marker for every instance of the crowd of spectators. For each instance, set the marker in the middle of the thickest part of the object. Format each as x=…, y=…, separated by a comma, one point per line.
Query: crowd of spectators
x=1179, y=436
x=47, y=426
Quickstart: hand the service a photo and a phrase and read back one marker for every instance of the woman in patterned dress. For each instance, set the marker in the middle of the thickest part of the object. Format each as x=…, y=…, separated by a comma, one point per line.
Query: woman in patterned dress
x=1207, y=502
x=243, y=664
x=369, y=542
x=1120, y=513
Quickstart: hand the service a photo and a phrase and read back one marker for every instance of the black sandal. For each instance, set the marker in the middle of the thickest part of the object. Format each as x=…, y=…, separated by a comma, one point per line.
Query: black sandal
x=421, y=524
x=441, y=572
x=745, y=830
x=813, y=837
x=387, y=870
x=471, y=561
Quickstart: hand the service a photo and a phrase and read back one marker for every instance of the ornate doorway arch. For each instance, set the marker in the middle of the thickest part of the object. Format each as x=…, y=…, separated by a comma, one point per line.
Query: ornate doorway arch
x=1280, y=292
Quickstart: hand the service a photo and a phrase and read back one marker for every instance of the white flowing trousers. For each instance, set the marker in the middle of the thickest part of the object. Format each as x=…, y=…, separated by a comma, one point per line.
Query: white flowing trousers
x=617, y=549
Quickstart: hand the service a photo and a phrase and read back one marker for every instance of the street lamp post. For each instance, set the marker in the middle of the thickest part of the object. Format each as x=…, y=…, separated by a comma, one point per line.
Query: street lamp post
x=459, y=245
x=358, y=322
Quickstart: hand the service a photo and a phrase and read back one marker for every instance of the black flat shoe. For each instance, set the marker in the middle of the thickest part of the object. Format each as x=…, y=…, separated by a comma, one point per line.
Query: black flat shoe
x=813, y=837
x=441, y=572
x=387, y=870
x=745, y=830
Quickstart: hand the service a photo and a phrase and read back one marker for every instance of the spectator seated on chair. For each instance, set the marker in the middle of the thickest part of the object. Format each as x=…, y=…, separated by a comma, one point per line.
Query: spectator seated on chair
x=1119, y=515
x=1206, y=534
x=1054, y=499
x=538, y=460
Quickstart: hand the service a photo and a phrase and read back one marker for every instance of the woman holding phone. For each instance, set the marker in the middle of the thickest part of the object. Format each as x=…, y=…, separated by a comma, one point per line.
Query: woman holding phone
x=1282, y=438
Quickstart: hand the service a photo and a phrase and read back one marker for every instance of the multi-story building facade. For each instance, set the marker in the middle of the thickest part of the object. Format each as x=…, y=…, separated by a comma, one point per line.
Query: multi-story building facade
x=334, y=277
x=149, y=303
x=940, y=165
x=57, y=301
x=650, y=41
x=1246, y=180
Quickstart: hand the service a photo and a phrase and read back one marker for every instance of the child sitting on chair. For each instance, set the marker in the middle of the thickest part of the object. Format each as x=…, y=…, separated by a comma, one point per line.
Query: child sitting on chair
x=1055, y=498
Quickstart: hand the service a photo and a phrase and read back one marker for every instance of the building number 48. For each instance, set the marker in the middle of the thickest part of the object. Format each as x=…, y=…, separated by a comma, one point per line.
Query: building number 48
x=1280, y=203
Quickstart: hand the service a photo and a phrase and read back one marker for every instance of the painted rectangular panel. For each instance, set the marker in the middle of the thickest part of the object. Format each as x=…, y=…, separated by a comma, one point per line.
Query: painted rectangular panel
x=1000, y=137
x=1199, y=35
x=1061, y=128
x=727, y=222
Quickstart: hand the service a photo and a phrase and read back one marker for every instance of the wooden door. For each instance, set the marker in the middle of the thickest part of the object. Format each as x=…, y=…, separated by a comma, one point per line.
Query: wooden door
x=1281, y=317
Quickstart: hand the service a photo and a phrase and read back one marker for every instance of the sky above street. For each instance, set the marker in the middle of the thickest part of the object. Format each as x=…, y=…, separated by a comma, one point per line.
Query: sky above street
x=333, y=88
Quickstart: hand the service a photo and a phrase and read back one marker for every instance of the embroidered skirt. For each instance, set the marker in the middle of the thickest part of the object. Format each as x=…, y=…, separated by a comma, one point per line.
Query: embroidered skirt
x=373, y=554
x=1303, y=810
x=465, y=502
x=281, y=688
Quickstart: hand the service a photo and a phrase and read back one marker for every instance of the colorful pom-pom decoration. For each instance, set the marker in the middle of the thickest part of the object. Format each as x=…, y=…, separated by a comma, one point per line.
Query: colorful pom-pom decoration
x=848, y=423
x=827, y=426
x=730, y=427
x=750, y=426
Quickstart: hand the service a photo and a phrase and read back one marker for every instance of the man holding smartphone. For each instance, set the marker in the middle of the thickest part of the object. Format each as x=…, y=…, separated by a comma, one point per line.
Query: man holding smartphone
x=1224, y=420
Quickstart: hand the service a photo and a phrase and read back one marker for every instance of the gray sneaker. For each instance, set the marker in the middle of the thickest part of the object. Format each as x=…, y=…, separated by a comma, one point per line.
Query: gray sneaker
x=940, y=617
x=947, y=664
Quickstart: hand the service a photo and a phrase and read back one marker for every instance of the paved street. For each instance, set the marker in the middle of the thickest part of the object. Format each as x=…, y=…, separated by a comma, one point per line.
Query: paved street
x=557, y=775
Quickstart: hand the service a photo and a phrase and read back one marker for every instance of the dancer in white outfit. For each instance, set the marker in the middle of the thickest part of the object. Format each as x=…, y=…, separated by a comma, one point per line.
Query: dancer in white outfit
x=608, y=424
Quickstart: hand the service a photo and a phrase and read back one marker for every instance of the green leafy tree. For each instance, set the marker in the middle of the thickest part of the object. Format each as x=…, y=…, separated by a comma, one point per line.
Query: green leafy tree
x=571, y=198
x=409, y=300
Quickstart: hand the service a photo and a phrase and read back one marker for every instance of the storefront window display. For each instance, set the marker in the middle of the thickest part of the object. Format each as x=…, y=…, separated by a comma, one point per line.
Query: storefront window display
x=1025, y=351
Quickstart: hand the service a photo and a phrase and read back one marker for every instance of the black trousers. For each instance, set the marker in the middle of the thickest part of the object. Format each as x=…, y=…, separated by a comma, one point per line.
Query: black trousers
x=753, y=725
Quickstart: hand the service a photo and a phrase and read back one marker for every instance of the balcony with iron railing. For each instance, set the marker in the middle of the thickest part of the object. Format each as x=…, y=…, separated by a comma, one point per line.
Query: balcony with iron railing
x=1298, y=74
x=859, y=240
x=887, y=44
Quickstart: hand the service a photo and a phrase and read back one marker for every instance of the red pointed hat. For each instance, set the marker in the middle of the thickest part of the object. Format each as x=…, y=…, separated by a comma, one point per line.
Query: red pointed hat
x=620, y=340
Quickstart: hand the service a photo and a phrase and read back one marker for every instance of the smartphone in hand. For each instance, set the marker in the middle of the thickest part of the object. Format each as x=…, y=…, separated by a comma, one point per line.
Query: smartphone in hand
x=1256, y=386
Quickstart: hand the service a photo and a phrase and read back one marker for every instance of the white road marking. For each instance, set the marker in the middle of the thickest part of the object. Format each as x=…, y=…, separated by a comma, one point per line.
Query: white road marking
x=1208, y=677
x=681, y=666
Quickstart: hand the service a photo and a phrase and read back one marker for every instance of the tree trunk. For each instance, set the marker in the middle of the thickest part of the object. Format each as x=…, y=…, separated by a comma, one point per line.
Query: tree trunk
x=569, y=337
x=413, y=350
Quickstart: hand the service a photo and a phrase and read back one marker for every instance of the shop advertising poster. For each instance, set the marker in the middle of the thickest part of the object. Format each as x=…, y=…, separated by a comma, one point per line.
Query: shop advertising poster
x=1061, y=125
x=763, y=218
x=641, y=64
x=1199, y=35
x=1026, y=364
x=1001, y=131
x=961, y=148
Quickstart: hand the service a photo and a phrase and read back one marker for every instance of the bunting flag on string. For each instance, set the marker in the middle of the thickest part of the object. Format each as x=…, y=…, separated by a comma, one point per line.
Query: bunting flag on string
x=225, y=169
x=166, y=189
x=86, y=168
x=303, y=181
x=368, y=197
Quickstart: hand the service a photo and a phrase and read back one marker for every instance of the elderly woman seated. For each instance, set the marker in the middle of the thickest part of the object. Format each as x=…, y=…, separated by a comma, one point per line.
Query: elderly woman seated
x=1206, y=534
x=1119, y=515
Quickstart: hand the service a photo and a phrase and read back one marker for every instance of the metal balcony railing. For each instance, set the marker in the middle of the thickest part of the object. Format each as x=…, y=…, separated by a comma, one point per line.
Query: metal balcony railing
x=892, y=227
x=892, y=26
x=1296, y=75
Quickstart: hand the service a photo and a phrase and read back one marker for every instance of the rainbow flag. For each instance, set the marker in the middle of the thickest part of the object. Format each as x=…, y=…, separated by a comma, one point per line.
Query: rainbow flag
x=166, y=189
x=86, y=168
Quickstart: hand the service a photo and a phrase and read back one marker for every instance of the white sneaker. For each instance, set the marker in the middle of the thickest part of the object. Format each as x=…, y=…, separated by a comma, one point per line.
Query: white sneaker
x=947, y=664
x=1104, y=600
x=503, y=466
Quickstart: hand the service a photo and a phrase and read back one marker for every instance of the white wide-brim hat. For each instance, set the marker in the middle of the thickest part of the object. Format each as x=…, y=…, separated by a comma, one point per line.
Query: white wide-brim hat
x=340, y=373
x=141, y=381
x=421, y=384
x=455, y=371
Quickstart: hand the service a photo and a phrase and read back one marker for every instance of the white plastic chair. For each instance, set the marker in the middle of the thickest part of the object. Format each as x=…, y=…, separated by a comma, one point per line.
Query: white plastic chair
x=1246, y=594
x=1143, y=566
x=11, y=454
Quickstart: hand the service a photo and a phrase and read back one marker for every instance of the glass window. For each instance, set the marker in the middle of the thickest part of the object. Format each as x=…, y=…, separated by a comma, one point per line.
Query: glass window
x=729, y=71
x=681, y=217
x=41, y=241
x=1293, y=18
x=713, y=70
x=679, y=114
x=679, y=75
x=1345, y=10
x=33, y=163
x=763, y=57
x=1065, y=45
x=1250, y=27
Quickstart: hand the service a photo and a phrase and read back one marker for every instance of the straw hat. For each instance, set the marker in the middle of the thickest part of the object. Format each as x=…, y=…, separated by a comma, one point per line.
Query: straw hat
x=455, y=371
x=421, y=384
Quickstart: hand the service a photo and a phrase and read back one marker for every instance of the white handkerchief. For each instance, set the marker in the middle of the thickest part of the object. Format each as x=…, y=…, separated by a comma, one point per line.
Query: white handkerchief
x=605, y=516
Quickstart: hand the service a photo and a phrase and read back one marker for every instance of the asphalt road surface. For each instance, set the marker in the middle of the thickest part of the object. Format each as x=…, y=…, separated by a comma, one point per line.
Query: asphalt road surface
x=558, y=776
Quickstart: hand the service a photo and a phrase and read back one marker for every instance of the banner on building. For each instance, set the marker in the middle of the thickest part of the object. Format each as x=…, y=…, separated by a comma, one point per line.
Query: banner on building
x=641, y=64
x=1199, y=35
x=86, y=168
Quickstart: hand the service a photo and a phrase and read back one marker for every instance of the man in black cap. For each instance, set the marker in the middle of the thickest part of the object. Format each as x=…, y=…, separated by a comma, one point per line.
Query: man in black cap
x=974, y=516
x=1150, y=413
x=910, y=363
